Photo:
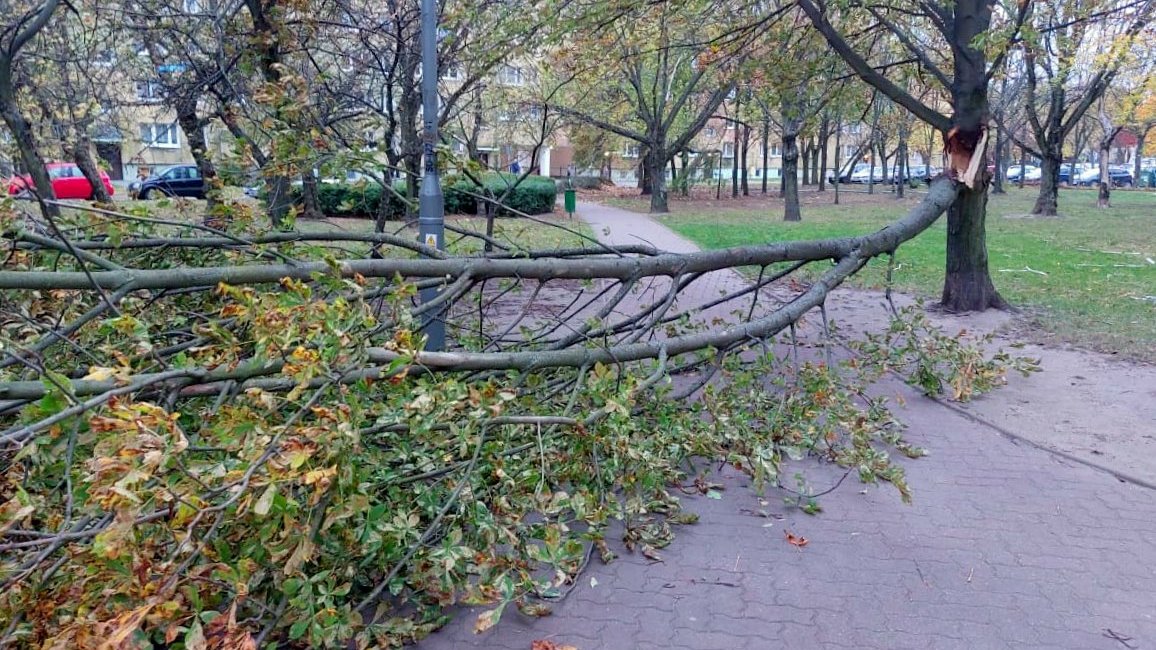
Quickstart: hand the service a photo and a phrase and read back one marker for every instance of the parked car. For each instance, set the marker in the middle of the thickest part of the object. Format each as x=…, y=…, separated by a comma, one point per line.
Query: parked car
x=1118, y=176
x=182, y=180
x=847, y=173
x=1032, y=174
x=866, y=175
x=1069, y=171
x=1147, y=177
x=68, y=182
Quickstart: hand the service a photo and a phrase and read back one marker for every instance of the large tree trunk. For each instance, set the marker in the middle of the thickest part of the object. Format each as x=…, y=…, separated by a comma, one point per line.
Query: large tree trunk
x=193, y=128
x=81, y=153
x=1137, y=167
x=270, y=55
x=684, y=187
x=824, y=138
x=745, y=167
x=838, y=164
x=967, y=285
x=805, y=156
x=1106, y=152
x=791, y=211
x=901, y=169
x=816, y=171
x=311, y=207
x=998, y=177
x=655, y=170
x=1047, y=203
x=25, y=142
x=766, y=154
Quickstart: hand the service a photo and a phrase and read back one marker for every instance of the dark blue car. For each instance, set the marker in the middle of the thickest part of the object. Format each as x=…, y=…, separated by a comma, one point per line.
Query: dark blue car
x=182, y=180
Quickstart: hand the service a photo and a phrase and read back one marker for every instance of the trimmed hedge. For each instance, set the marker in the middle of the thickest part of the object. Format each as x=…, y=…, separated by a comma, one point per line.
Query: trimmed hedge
x=534, y=195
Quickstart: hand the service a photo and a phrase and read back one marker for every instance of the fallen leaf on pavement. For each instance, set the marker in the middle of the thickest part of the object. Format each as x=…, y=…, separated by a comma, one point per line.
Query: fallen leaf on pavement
x=795, y=540
x=649, y=553
x=542, y=644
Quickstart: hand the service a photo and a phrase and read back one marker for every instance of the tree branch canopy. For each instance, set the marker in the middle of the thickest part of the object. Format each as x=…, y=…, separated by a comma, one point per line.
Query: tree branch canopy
x=868, y=74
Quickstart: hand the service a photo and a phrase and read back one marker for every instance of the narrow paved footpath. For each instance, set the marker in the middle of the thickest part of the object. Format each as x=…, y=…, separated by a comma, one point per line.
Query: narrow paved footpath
x=1005, y=546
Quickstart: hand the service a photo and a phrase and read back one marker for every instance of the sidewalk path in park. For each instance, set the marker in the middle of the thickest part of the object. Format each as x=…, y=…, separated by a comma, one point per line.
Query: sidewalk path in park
x=1006, y=545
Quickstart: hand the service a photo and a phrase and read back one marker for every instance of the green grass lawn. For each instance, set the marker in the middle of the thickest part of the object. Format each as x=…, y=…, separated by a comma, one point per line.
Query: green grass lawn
x=1099, y=291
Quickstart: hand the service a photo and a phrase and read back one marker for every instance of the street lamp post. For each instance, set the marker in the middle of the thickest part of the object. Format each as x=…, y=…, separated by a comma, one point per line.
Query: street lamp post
x=431, y=203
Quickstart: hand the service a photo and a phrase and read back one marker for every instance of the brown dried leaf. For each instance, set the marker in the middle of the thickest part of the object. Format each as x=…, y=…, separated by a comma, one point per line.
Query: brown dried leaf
x=544, y=644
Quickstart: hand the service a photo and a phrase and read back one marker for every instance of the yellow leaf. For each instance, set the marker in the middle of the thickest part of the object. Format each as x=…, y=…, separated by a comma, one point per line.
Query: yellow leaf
x=488, y=619
x=97, y=373
x=300, y=556
x=125, y=625
x=266, y=501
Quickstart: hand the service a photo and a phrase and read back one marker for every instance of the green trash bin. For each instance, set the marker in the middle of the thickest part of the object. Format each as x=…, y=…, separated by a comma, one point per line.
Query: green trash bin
x=571, y=201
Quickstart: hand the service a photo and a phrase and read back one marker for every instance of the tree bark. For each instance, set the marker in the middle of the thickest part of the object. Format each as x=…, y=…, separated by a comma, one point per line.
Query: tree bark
x=900, y=169
x=655, y=170
x=998, y=177
x=311, y=207
x=81, y=152
x=193, y=128
x=745, y=168
x=1047, y=203
x=967, y=285
x=766, y=153
x=1137, y=166
x=270, y=59
x=816, y=171
x=838, y=164
x=791, y=211
x=26, y=145
x=805, y=156
x=824, y=138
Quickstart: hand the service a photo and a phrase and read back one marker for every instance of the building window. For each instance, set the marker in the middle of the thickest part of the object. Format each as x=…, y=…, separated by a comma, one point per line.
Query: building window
x=452, y=73
x=534, y=113
x=164, y=136
x=505, y=115
x=730, y=126
x=149, y=91
x=631, y=151
x=849, y=150
x=710, y=131
x=728, y=150
x=854, y=128
x=192, y=6
x=511, y=76
x=774, y=150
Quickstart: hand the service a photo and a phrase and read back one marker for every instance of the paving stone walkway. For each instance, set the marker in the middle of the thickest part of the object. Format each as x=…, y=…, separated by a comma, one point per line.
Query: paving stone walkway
x=1005, y=546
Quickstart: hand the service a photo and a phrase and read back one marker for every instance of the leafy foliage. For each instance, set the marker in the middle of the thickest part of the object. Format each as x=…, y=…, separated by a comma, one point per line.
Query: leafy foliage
x=251, y=479
x=533, y=195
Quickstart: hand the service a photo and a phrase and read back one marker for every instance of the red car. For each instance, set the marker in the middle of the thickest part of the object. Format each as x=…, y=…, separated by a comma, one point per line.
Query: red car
x=67, y=182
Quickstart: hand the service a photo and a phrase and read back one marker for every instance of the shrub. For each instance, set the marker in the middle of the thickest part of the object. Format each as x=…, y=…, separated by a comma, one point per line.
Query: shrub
x=534, y=195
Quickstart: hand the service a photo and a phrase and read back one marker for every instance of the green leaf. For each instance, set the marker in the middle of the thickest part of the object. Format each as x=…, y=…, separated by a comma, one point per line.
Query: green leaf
x=298, y=629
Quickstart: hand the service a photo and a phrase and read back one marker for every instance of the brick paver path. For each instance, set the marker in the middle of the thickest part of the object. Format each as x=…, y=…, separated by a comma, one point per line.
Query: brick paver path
x=1005, y=546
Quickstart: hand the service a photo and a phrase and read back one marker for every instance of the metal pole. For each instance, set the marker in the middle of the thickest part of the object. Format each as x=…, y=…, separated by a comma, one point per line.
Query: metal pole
x=431, y=206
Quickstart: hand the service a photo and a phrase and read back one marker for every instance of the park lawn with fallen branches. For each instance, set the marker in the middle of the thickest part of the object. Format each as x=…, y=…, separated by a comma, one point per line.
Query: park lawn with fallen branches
x=1087, y=277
